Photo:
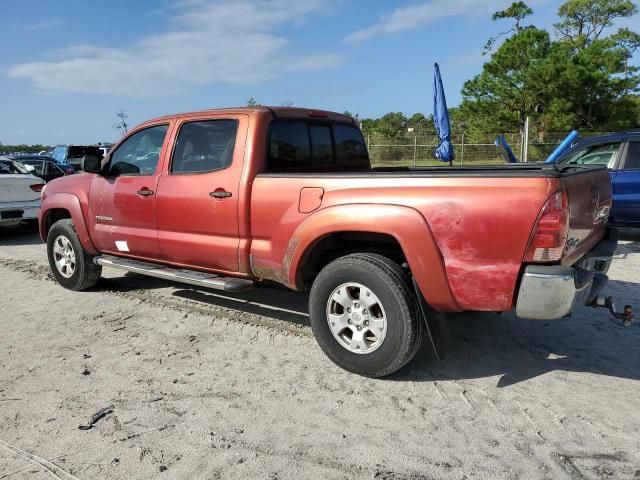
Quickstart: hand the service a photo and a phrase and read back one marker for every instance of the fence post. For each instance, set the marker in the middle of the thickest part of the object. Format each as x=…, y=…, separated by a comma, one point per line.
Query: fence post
x=525, y=157
x=415, y=149
x=462, y=152
x=368, y=141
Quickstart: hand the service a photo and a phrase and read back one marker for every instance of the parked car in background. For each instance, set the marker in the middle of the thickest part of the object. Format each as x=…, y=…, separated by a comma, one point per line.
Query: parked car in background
x=620, y=153
x=72, y=154
x=45, y=167
x=19, y=193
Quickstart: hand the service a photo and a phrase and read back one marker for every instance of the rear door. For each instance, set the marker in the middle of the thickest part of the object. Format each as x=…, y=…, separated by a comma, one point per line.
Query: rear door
x=197, y=201
x=123, y=200
x=626, y=185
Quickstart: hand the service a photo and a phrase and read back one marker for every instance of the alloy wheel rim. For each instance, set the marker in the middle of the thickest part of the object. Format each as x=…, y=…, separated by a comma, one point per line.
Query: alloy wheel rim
x=356, y=318
x=64, y=256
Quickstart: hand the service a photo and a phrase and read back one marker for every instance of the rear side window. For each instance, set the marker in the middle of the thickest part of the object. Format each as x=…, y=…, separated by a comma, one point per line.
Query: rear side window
x=310, y=147
x=350, y=147
x=633, y=156
x=204, y=146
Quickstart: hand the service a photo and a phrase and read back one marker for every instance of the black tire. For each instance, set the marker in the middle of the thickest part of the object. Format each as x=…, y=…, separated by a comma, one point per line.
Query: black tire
x=392, y=286
x=85, y=273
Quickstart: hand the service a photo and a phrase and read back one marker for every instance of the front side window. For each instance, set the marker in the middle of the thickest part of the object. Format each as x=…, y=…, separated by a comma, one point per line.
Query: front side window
x=204, y=146
x=52, y=169
x=595, y=155
x=138, y=154
x=633, y=156
x=305, y=146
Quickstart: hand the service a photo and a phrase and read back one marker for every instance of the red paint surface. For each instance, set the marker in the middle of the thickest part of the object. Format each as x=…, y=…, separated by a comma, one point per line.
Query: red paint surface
x=464, y=237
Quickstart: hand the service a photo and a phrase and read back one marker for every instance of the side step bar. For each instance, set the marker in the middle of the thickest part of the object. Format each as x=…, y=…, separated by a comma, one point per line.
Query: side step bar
x=192, y=277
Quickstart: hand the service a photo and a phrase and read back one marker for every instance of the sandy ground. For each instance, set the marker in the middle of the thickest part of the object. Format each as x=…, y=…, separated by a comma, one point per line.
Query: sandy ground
x=209, y=386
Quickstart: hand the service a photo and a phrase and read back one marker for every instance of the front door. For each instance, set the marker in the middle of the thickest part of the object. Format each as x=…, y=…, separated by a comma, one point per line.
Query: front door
x=123, y=217
x=626, y=186
x=197, y=200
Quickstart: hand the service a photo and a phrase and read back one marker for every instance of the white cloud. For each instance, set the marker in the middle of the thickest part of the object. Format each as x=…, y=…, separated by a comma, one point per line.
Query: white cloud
x=212, y=42
x=419, y=15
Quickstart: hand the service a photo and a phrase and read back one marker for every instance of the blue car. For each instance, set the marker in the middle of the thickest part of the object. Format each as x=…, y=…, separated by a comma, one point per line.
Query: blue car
x=620, y=152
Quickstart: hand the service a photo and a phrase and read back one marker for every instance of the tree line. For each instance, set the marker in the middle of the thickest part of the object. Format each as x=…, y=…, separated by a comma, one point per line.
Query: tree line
x=578, y=76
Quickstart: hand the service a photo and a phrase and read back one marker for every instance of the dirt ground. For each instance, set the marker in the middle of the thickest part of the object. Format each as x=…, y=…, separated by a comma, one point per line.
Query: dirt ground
x=208, y=386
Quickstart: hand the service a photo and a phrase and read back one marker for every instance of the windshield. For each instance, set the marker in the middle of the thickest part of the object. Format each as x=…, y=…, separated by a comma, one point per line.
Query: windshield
x=602, y=154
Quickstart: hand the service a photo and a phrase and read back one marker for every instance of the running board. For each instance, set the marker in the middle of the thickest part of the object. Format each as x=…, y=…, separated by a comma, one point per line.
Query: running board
x=192, y=277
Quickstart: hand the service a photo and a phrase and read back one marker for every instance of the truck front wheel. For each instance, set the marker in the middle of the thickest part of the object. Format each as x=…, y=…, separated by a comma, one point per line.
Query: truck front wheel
x=364, y=314
x=70, y=264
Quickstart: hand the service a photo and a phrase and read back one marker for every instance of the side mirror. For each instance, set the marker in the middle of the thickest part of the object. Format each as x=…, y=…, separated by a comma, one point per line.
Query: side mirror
x=90, y=164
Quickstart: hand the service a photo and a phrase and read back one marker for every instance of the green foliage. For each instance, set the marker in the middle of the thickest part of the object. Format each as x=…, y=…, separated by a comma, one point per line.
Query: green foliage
x=517, y=10
x=581, y=80
x=22, y=148
x=252, y=102
x=583, y=21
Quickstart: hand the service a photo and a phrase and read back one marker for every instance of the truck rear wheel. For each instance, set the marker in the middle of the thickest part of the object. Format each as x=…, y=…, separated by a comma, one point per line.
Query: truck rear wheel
x=70, y=264
x=364, y=314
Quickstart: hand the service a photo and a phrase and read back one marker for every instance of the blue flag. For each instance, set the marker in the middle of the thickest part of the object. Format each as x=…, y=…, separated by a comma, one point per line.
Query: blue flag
x=444, y=151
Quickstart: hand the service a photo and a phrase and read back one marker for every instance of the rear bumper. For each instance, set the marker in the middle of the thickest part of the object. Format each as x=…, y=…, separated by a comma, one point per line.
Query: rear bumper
x=15, y=212
x=550, y=292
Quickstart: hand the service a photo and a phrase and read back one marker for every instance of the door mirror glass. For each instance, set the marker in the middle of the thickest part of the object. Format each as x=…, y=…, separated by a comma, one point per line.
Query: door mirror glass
x=90, y=164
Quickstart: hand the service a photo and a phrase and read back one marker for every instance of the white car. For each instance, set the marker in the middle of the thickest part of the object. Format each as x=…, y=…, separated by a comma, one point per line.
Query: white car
x=19, y=193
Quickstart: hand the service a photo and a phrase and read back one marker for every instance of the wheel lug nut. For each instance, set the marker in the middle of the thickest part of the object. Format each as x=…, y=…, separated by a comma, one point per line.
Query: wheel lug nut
x=365, y=311
x=349, y=321
x=366, y=322
x=359, y=327
x=357, y=305
x=349, y=309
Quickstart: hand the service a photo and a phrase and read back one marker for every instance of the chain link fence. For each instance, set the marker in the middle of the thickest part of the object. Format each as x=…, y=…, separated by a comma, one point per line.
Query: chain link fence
x=470, y=149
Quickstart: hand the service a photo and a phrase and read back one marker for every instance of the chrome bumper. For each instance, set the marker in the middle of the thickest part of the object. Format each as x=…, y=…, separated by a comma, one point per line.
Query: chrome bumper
x=550, y=292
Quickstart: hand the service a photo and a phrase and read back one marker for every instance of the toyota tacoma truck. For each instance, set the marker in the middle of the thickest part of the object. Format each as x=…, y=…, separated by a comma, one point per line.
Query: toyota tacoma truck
x=230, y=198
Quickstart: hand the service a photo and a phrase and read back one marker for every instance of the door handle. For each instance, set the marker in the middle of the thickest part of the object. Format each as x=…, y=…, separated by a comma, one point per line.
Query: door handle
x=145, y=192
x=220, y=193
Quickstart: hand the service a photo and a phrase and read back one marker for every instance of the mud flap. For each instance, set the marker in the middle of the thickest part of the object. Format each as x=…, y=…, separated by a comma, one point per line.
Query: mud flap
x=436, y=325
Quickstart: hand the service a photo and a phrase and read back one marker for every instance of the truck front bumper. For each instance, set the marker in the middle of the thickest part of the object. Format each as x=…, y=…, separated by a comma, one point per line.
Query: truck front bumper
x=550, y=292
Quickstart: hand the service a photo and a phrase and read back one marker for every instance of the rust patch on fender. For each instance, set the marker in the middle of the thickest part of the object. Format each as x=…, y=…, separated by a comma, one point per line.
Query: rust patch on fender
x=288, y=258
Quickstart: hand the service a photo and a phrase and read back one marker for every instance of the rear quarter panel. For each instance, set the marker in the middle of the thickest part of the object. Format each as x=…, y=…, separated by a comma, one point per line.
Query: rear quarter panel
x=480, y=227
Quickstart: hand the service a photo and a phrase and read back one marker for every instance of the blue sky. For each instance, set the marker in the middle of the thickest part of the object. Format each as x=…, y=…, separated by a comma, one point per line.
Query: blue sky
x=67, y=66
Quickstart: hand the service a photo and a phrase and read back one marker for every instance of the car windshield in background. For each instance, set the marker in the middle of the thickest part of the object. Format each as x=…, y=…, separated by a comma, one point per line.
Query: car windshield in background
x=594, y=155
x=11, y=166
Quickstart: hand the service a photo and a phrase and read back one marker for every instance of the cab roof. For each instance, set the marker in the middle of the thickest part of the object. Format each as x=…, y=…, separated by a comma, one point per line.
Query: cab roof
x=276, y=112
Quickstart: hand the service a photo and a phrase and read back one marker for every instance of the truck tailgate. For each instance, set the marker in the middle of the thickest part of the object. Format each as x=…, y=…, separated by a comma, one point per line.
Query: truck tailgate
x=589, y=197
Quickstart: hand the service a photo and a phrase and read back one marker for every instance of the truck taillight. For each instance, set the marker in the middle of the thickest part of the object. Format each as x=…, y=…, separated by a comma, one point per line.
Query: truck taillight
x=37, y=187
x=550, y=233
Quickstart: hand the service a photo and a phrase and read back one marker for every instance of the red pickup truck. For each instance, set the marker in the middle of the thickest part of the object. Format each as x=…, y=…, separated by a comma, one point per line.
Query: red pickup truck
x=231, y=197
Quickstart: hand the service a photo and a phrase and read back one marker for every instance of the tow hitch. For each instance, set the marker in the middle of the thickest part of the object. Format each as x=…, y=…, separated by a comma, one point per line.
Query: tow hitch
x=607, y=302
